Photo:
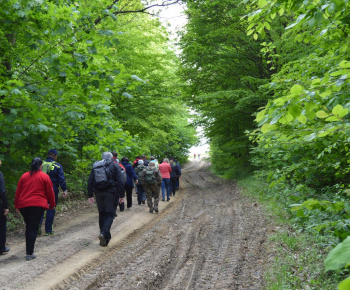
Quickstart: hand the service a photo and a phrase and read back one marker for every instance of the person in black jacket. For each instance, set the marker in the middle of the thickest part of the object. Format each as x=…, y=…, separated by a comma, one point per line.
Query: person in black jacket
x=4, y=210
x=174, y=176
x=106, y=197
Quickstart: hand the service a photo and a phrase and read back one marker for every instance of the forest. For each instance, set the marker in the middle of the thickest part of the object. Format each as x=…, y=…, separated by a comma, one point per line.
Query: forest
x=268, y=81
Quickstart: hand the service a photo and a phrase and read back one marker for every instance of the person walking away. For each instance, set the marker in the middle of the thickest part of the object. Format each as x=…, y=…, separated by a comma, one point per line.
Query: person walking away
x=174, y=175
x=151, y=180
x=152, y=158
x=145, y=161
x=106, y=181
x=141, y=195
x=4, y=210
x=131, y=177
x=194, y=155
x=165, y=170
x=34, y=194
x=178, y=178
x=199, y=156
x=122, y=168
x=55, y=171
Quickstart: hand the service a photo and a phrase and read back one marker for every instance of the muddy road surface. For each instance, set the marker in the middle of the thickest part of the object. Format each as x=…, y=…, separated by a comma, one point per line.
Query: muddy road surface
x=206, y=237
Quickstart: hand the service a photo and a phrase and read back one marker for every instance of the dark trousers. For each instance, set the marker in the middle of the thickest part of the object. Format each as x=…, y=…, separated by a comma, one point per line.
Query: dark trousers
x=141, y=194
x=106, y=211
x=32, y=216
x=50, y=215
x=2, y=229
x=172, y=186
x=128, y=193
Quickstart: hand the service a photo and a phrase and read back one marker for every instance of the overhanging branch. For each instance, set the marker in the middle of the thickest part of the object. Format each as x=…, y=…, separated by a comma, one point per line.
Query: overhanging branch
x=143, y=10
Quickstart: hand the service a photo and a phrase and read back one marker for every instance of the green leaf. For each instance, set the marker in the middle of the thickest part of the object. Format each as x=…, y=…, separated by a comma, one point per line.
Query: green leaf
x=260, y=115
x=310, y=137
x=345, y=284
x=302, y=119
x=339, y=111
x=339, y=257
x=322, y=114
x=332, y=119
x=295, y=111
x=262, y=3
x=297, y=89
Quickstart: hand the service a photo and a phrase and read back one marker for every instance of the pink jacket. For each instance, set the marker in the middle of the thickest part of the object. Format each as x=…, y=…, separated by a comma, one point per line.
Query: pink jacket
x=165, y=169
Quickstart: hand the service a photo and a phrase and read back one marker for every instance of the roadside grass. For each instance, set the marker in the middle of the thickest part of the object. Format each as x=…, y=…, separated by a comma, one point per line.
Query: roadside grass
x=295, y=259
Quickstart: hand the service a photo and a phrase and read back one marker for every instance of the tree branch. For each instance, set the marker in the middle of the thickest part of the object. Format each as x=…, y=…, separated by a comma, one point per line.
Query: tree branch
x=143, y=10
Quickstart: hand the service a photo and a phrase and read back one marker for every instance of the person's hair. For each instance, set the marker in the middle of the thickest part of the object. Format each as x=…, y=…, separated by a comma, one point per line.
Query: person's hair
x=166, y=160
x=152, y=158
x=143, y=156
x=125, y=159
x=35, y=165
x=115, y=154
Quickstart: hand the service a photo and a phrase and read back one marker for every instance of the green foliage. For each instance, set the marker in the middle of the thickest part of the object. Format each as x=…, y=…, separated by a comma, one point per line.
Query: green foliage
x=223, y=69
x=85, y=78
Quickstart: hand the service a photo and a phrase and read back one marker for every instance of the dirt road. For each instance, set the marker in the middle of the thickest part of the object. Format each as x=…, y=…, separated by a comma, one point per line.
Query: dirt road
x=207, y=237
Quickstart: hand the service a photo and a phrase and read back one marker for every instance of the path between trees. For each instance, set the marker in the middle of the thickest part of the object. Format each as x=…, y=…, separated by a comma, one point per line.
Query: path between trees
x=207, y=237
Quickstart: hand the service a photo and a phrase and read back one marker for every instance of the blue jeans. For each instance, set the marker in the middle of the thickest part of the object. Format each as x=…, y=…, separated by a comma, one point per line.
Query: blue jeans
x=50, y=215
x=165, y=186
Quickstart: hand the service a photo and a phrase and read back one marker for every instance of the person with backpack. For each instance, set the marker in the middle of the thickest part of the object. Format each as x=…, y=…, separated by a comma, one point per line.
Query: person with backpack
x=131, y=177
x=34, y=194
x=151, y=180
x=178, y=178
x=106, y=181
x=174, y=175
x=56, y=174
x=141, y=195
x=4, y=210
x=165, y=170
x=122, y=168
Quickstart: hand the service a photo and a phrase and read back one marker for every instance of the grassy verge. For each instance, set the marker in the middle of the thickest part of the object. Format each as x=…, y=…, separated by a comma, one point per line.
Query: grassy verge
x=295, y=258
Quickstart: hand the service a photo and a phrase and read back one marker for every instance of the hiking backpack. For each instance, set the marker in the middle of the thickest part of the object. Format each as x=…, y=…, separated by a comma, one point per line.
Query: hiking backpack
x=122, y=169
x=149, y=176
x=48, y=166
x=101, y=173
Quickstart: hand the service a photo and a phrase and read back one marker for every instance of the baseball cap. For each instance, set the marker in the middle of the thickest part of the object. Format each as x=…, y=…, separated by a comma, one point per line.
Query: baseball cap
x=52, y=152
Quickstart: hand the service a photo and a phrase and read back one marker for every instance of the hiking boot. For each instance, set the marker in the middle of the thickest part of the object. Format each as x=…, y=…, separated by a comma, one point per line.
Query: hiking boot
x=156, y=209
x=6, y=249
x=151, y=210
x=168, y=199
x=163, y=199
x=103, y=241
x=143, y=202
x=50, y=233
x=30, y=257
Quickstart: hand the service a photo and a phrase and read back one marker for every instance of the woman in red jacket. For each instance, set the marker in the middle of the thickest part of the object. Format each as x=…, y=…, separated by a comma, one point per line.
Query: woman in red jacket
x=34, y=192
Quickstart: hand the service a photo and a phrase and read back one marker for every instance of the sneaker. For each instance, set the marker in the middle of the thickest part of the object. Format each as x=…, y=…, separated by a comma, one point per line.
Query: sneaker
x=50, y=233
x=163, y=199
x=6, y=249
x=143, y=202
x=168, y=199
x=156, y=209
x=151, y=210
x=30, y=257
x=103, y=241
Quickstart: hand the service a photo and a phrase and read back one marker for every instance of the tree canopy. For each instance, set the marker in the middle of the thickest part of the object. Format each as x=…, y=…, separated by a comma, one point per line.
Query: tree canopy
x=86, y=77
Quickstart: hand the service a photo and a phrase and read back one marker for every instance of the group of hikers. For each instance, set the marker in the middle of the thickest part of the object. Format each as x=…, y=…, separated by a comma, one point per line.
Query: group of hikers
x=109, y=182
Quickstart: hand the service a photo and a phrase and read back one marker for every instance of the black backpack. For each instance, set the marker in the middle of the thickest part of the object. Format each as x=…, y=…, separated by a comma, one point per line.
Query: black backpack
x=101, y=173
